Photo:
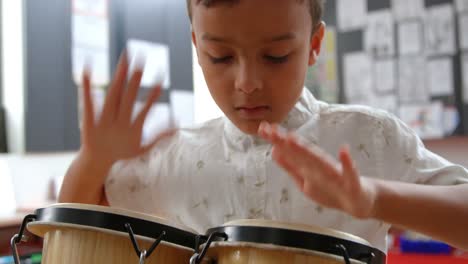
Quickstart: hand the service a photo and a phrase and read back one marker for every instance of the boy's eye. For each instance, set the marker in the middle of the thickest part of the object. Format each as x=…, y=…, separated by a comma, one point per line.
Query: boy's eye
x=278, y=60
x=217, y=60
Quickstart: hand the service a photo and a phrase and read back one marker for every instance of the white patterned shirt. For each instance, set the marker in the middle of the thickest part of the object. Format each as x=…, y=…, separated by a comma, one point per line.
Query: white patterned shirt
x=205, y=176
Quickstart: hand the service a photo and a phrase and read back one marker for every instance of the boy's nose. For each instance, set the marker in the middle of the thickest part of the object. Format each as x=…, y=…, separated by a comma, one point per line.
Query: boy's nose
x=248, y=79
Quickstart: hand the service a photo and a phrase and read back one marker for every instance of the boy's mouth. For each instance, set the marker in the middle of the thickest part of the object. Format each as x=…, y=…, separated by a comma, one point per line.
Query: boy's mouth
x=253, y=112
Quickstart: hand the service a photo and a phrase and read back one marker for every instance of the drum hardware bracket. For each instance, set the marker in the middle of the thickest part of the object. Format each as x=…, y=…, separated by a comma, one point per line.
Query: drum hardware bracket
x=20, y=237
x=198, y=257
x=369, y=257
x=344, y=253
x=143, y=254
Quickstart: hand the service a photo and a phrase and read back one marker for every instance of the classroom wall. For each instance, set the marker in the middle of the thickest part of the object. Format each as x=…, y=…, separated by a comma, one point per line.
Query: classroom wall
x=51, y=111
x=353, y=41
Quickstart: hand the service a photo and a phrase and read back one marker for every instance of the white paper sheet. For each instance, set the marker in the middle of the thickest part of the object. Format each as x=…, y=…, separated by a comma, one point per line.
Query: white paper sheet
x=385, y=75
x=451, y=120
x=412, y=80
x=352, y=15
x=440, y=30
x=182, y=104
x=463, y=29
x=90, y=7
x=440, y=77
x=156, y=62
x=95, y=59
x=410, y=38
x=379, y=34
x=90, y=32
x=358, y=78
x=387, y=102
x=90, y=40
x=425, y=119
x=158, y=120
x=465, y=77
x=462, y=5
x=408, y=9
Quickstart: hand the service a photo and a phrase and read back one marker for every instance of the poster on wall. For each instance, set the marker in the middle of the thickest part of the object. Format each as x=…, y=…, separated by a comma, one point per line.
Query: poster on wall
x=322, y=78
x=405, y=10
x=463, y=29
x=410, y=38
x=155, y=57
x=462, y=5
x=182, y=107
x=440, y=30
x=90, y=40
x=412, y=86
x=385, y=76
x=440, y=76
x=351, y=15
x=387, y=102
x=358, y=78
x=379, y=34
x=159, y=119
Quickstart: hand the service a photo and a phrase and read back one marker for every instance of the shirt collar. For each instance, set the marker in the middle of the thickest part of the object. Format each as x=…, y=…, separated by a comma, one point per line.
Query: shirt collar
x=305, y=109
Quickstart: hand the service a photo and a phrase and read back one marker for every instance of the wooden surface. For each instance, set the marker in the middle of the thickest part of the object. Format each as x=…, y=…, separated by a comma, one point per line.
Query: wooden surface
x=454, y=149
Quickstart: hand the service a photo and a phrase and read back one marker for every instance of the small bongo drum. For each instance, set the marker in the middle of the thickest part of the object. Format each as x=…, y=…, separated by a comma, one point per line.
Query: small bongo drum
x=76, y=233
x=262, y=241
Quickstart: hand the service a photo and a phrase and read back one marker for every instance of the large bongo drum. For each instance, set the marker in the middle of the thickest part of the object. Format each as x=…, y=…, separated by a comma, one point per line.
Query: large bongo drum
x=76, y=233
x=262, y=241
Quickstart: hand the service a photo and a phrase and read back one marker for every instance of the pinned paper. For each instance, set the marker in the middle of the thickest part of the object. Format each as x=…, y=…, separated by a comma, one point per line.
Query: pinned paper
x=155, y=57
x=358, y=78
x=90, y=41
x=379, y=34
x=440, y=30
x=352, y=15
x=410, y=38
x=412, y=80
x=440, y=74
x=405, y=10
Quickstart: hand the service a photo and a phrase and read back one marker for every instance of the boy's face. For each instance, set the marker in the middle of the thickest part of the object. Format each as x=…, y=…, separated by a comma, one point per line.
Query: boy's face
x=254, y=55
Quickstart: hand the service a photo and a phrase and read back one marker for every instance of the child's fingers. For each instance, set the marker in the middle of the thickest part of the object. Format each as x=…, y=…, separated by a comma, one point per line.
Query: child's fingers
x=114, y=95
x=272, y=133
x=131, y=93
x=348, y=167
x=313, y=155
x=152, y=97
x=88, y=107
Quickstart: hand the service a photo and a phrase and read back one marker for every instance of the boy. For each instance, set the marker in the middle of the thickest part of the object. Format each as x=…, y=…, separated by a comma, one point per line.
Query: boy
x=268, y=157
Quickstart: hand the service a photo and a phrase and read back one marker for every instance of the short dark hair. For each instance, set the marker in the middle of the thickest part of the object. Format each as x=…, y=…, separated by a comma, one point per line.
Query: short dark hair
x=316, y=8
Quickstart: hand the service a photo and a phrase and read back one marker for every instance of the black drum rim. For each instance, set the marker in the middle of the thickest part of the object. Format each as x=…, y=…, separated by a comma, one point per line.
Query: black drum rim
x=115, y=222
x=301, y=240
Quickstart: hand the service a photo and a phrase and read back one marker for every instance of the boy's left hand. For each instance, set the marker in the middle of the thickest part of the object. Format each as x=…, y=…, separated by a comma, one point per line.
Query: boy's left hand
x=319, y=176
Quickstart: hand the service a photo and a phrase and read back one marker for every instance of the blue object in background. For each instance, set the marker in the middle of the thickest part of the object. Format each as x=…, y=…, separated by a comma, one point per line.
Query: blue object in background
x=425, y=246
x=7, y=260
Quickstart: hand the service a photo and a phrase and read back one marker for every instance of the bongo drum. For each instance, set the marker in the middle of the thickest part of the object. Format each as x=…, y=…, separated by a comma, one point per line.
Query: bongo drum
x=76, y=233
x=263, y=241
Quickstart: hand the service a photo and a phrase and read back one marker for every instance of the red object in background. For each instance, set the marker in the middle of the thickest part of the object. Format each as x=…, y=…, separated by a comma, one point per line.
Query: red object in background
x=398, y=258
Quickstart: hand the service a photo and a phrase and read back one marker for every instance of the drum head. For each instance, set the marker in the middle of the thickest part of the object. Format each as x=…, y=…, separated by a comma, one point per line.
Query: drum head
x=110, y=220
x=272, y=234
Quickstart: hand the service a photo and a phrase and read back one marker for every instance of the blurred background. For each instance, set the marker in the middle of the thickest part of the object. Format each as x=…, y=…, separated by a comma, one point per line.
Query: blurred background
x=407, y=57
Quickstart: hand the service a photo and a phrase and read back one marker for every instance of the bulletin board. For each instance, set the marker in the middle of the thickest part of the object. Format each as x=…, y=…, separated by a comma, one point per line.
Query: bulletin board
x=406, y=57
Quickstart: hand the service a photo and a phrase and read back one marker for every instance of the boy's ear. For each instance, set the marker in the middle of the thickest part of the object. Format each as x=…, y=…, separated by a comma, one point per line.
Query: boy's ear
x=316, y=43
x=194, y=39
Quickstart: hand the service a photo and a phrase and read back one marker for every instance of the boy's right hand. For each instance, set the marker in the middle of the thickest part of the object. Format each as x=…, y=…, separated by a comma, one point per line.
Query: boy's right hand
x=115, y=135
